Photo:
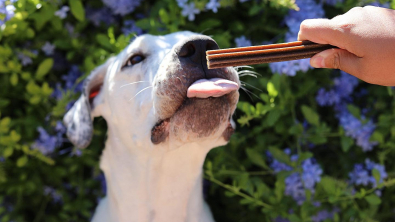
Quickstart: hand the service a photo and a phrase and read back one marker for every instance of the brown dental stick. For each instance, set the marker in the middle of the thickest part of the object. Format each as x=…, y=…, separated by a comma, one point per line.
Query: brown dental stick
x=263, y=54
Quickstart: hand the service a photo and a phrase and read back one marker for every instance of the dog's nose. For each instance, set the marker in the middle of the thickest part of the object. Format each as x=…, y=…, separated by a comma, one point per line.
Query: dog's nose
x=196, y=47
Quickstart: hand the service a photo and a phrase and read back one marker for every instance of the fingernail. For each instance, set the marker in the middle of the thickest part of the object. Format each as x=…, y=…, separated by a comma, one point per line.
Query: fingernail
x=317, y=62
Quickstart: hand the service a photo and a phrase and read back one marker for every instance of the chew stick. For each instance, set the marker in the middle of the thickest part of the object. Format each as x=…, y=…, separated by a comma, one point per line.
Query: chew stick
x=263, y=54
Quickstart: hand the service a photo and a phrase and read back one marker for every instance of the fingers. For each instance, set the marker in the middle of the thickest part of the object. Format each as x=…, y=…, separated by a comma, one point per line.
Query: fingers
x=337, y=59
x=320, y=31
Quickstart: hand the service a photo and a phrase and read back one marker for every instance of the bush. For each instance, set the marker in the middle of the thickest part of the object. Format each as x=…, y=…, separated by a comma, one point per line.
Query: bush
x=311, y=145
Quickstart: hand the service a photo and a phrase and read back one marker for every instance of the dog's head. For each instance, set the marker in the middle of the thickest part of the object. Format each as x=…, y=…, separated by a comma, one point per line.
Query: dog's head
x=158, y=91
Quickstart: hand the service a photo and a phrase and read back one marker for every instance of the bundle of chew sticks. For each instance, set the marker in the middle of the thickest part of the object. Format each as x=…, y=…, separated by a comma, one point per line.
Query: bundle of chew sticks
x=263, y=54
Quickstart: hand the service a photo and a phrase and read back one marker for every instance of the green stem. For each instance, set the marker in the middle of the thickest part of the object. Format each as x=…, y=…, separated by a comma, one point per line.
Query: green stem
x=237, y=192
x=256, y=173
x=41, y=210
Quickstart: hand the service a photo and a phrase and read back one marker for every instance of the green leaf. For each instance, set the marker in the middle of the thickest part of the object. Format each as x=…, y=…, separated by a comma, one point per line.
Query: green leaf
x=35, y=100
x=354, y=111
x=77, y=9
x=304, y=156
x=376, y=175
x=5, y=122
x=372, y=199
x=272, y=117
x=15, y=137
x=329, y=185
x=22, y=161
x=104, y=41
x=44, y=68
x=296, y=129
x=279, y=188
x=8, y=152
x=310, y=115
x=14, y=79
x=33, y=88
x=346, y=143
x=280, y=155
x=271, y=89
x=209, y=24
x=378, y=137
x=254, y=10
x=256, y=158
x=4, y=102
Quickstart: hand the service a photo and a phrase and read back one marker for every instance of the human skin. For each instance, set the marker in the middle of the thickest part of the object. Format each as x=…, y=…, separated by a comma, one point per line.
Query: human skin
x=365, y=38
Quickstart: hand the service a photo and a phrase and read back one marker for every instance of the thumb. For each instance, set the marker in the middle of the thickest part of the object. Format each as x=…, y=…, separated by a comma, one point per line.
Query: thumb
x=337, y=59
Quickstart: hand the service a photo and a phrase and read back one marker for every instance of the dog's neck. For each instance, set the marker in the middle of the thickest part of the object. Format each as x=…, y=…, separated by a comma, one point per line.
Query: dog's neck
x=155, y=185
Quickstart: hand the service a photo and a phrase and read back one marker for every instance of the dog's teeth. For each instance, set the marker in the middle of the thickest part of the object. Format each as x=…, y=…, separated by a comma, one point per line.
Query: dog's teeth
x=216, y=87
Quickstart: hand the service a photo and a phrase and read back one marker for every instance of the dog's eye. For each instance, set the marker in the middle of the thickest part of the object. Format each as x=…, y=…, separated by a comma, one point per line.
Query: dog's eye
x=134, y=60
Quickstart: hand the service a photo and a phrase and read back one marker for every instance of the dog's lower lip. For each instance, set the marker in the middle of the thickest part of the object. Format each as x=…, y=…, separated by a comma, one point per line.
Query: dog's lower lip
x=160, y=131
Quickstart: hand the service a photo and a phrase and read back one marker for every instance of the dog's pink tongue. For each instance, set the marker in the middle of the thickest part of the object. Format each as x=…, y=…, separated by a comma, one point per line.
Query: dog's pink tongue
x=216, y=87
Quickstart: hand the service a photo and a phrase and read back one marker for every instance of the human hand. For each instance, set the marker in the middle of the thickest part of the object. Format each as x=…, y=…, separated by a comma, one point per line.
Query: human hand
x=366, y=40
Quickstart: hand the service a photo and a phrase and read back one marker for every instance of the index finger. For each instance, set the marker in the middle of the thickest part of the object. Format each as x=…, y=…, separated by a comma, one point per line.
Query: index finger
x=321, y=31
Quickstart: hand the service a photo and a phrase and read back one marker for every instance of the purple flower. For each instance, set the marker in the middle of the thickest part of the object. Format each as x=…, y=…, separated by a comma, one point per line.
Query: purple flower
x=25, y=60
x=311, y=173
x=69, y=105
x=7, y=10
x=102, y=179
x=122, y=7
x=48, y=48
x=333, y=2
x=213, y=5
x=338, y=96
x=56, y=197
x=98, y=16
x=71, y=79
x=362, y=173
x=297, y=183
x=46, y=143
x=382, y=5
x=62, y=12
x=70, y=29
x=308, y=9
x=190, y=11
x=322, y=216
x=355, y=128
x=182, y=3
x=58, y=92
x=129, y=26
x=242, y=41
x=280, y=219
x=327, y=98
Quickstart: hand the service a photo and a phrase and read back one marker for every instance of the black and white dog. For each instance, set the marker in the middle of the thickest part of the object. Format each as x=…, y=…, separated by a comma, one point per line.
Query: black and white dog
x=164, y=110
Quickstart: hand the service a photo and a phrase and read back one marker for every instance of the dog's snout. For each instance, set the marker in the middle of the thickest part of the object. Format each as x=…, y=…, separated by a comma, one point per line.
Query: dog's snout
x=195, y=48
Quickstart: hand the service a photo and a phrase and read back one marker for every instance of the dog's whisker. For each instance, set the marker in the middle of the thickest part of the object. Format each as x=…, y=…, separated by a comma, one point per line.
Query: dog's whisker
x=246, y=67
x=248, y=75
x=249, y=93
x=140, y=92
x=248, y=72
x=246, y=84
x=128, y=84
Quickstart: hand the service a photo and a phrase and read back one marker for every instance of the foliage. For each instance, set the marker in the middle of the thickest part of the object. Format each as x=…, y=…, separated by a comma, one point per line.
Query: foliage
x=310, y=145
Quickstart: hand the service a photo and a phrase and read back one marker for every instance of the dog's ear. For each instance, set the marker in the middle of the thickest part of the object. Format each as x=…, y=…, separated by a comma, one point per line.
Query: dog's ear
x=79, y=120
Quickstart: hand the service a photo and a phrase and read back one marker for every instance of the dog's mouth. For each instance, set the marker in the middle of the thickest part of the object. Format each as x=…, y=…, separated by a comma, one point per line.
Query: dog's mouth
x=207, y=104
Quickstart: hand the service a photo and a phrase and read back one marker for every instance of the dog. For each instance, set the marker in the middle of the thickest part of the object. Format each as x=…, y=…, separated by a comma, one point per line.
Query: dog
x=164, y=111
